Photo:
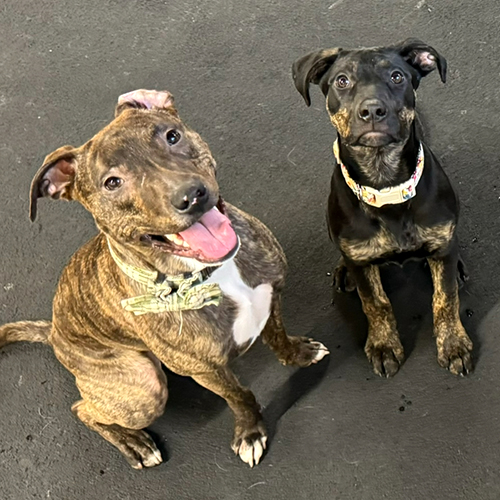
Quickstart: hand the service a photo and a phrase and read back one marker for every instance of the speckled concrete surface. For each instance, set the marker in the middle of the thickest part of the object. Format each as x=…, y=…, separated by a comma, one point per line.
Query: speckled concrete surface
x=337, y=431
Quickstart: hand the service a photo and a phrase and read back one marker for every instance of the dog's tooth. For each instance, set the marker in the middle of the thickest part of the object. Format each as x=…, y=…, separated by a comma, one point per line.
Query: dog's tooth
x=175, y=238
x=185, y=244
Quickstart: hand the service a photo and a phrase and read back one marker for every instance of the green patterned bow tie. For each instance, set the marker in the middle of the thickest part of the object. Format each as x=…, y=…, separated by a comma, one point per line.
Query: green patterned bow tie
x=167, y=293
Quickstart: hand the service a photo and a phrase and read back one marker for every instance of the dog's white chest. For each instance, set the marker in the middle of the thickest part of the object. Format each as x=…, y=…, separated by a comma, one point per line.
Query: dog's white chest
x=254, y=304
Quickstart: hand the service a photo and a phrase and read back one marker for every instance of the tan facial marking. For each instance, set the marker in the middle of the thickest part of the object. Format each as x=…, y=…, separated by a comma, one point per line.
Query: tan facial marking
x=340, y=121
x=407, y=115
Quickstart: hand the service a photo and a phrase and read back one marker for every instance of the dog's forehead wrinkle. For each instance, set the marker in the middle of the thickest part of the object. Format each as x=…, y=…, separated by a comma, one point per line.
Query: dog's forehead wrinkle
x=134, y=117
x=132, y=153
x=384, y=63
x=347, y=64
x=134, y=130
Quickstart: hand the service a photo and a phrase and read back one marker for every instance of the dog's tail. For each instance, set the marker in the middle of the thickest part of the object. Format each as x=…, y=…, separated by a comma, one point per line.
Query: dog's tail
x=30, y=331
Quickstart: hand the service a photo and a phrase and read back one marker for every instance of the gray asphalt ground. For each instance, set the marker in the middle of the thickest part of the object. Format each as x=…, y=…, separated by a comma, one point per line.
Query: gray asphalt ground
x=337, y=431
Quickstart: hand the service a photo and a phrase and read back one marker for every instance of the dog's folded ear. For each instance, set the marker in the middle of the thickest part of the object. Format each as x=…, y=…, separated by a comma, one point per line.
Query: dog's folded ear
x=146, y=99
x=54, y=178
x=311, y=68
x=422, y=57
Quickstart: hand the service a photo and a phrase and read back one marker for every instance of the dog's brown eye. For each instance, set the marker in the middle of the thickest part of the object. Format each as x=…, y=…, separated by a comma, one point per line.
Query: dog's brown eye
x=342, y=82
x=397, y=77
x=112, y=183
x=173, y=137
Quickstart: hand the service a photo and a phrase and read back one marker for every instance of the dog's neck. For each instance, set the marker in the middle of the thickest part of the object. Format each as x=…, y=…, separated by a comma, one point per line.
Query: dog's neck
x=151, y=260
x=381, y=167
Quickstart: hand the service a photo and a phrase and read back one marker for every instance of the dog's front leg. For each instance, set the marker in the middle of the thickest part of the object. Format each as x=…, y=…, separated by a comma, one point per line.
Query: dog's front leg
x=453, y=343
x=250, y=435
x=383, y=347
x=298, y=351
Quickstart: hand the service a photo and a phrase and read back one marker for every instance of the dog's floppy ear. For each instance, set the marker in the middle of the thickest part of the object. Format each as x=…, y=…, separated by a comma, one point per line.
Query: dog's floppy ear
x=54, y=178
x=422, y=57
x=311, y=68
x=146, y=99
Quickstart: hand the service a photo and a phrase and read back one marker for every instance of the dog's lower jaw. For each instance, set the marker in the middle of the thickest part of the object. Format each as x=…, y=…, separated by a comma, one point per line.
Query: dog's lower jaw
x=147, y=257
x=388, y=165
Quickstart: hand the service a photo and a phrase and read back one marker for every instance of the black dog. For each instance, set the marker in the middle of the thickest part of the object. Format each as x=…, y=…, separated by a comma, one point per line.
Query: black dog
x=390, y=199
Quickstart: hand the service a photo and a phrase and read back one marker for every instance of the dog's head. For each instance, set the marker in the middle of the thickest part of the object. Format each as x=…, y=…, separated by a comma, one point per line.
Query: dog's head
x=148, y=180
x=370, y=93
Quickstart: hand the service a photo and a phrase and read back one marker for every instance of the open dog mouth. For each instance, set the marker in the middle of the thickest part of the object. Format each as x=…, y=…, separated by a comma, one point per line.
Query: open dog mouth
x=209, y=240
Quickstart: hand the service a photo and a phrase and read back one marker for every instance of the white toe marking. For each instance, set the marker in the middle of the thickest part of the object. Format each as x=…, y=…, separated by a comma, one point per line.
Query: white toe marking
x=153, y=459
x=258, y=451
x=321, y=352
x=252, y=453
x=158, y=456
x=246, y=453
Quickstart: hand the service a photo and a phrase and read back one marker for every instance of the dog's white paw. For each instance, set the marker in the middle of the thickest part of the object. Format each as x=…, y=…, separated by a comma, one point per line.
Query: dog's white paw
x=321, y=351
x=303, y=351
x=137, y=447
x=251, y=452
x=250, y=445
x=152, y=459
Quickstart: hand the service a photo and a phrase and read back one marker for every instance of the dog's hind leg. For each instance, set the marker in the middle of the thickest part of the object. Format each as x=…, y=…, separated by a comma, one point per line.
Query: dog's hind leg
x=453, y=343
x=383, y=347
x=342, y=279
x=298, y=351
x=136, y=445
x=122, y=394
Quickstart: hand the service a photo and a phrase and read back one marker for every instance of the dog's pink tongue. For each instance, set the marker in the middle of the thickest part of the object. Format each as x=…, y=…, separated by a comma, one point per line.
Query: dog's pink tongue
x=212, y=236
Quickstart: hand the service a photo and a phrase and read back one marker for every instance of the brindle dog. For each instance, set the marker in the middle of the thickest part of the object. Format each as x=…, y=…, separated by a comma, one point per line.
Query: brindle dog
x=149, y=181
x=370, y=98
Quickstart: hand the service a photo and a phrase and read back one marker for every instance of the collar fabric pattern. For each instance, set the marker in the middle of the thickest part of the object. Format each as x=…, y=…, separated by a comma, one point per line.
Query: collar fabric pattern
x=386, y=196
x=167, y=293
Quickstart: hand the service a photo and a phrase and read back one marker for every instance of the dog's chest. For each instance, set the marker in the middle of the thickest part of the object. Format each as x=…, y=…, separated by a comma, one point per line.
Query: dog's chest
x=253, y=304
x=414, y=241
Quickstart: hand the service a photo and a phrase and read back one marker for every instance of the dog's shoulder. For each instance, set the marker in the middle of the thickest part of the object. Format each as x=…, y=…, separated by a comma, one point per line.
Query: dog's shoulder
x=84, y=261
x=252, y=230
x=260, y=258
x=436, y=200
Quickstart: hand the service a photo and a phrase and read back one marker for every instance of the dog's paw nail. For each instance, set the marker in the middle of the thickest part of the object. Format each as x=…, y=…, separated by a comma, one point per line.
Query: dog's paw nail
x=251, y=446
x=251, y=452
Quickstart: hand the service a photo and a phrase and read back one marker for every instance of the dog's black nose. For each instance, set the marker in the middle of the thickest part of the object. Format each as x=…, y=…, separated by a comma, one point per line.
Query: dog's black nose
x=190, y=197
x=372, y=110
